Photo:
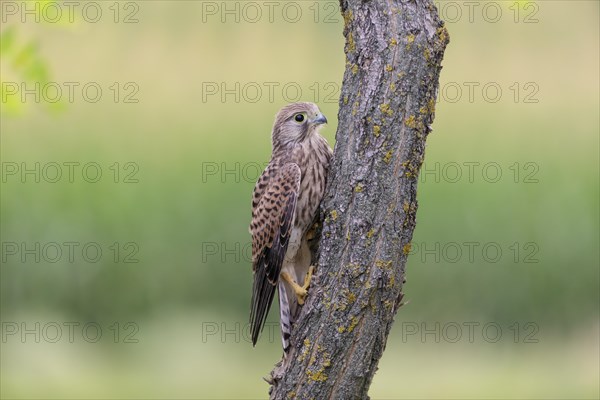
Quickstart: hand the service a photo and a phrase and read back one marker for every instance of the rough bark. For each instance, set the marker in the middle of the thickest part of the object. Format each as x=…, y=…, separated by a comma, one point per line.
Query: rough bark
x=393, y=52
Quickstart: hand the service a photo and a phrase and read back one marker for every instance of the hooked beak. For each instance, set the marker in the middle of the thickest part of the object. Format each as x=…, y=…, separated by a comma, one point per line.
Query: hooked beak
x=320, y=119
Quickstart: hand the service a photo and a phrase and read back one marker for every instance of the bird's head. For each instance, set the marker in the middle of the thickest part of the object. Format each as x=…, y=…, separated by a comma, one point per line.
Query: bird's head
x=296, y=122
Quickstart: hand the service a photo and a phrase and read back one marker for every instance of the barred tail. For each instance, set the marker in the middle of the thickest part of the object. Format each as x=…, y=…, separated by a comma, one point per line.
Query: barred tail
x=286, y=320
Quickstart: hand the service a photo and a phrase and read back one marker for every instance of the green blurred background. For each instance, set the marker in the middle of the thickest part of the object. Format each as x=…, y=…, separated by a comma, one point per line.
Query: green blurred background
x=174, y=322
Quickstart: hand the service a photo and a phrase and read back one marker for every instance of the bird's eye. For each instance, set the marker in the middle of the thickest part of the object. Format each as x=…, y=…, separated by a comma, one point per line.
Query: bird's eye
x=299, y=117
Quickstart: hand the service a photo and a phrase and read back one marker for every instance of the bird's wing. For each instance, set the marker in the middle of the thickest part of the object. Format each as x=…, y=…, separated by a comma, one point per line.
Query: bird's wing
x=272, y=220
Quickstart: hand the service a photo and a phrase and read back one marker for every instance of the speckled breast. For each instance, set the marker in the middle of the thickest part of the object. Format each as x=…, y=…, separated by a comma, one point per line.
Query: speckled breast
x=313, y=160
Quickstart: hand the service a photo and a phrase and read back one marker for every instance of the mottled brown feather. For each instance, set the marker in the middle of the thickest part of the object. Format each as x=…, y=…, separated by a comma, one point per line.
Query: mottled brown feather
x=272, y=220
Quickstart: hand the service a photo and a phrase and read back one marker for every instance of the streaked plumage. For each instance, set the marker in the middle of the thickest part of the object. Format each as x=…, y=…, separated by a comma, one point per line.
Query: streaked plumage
x=286, y=199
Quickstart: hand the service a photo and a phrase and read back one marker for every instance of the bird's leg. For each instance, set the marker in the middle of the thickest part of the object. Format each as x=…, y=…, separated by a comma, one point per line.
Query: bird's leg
x=301, y=291
x=308, y=277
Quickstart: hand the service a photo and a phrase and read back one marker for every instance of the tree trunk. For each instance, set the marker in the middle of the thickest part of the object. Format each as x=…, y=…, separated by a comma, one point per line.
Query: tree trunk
x=393, y=52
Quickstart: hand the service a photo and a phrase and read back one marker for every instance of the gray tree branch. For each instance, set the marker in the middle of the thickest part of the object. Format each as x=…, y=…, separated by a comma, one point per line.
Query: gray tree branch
x=394, y=51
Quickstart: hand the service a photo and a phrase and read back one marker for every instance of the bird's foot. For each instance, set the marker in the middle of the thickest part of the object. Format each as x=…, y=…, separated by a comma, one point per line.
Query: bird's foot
x=300, y=291
x=308, y=277
x=301, y=294
x=303, y=290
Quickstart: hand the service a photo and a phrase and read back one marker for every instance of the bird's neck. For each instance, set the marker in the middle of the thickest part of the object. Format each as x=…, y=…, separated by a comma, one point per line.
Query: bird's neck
x=293, y=151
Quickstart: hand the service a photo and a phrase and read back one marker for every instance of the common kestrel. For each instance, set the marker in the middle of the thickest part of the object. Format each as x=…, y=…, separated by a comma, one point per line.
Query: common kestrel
x=285, y=201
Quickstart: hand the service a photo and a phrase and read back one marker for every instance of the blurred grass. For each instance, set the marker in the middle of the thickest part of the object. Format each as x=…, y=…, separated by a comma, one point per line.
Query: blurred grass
x=172, y=360
x=171, y=134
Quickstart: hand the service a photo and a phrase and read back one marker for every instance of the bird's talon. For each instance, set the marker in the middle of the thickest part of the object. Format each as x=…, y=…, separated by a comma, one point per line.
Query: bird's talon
x=301, y=296
x=303, y=290
x=308, y=277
